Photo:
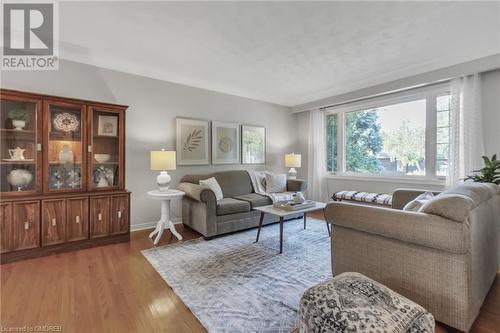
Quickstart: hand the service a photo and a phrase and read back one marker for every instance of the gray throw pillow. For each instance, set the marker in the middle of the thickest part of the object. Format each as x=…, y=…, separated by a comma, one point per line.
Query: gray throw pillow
x=275, y=183
x=418, y=202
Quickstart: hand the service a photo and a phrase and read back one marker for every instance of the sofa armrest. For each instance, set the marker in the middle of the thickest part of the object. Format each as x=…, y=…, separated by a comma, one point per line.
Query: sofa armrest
x=401, y=196
x=412, y=227
x=296, y=185
x=198, y=192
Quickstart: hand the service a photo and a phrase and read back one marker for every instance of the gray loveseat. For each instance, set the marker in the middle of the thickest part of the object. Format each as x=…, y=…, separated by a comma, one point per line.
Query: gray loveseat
x=203, y=213
x=445, y=258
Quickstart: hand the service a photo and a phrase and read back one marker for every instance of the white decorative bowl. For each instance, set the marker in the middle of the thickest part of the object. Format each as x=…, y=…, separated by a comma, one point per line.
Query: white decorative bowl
x=102, y=158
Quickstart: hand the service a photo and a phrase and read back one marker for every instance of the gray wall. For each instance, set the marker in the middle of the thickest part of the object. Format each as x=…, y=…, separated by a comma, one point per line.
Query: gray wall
x=491, y=106
x=491, y=116
x=151, y=116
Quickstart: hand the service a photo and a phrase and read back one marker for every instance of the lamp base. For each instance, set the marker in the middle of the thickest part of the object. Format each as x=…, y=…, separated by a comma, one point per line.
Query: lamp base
x=292, y=173
x=163, y=180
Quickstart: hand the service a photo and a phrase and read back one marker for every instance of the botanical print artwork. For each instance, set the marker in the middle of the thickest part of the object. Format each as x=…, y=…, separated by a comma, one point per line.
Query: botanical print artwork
x=253, y=144
x=193, y=140
x=192, y=144
x=225, y=143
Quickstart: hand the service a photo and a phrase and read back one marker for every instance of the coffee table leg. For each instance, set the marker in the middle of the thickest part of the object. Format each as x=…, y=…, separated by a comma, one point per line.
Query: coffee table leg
x=260, y=225
x=305, y=217
x=327, y=225
x=281, y=234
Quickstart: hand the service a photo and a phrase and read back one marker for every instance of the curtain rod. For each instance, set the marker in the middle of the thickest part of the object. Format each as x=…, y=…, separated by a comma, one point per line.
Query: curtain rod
x=361, y=99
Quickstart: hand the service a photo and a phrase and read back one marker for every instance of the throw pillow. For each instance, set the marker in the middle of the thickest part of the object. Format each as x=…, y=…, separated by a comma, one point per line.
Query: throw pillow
x=418, y=202
x=275, y=183
x=212, y=184
x=455, y=207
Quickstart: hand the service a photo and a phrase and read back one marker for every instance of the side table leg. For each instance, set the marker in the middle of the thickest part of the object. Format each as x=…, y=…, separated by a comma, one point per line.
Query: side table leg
x=173, y=231
x=160, y=228
x=260, y=225
x=305, y=217
x=281, y=234
x=157, y=229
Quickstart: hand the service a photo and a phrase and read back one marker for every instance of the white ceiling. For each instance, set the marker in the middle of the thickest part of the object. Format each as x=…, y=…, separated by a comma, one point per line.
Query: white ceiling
x=283, y=52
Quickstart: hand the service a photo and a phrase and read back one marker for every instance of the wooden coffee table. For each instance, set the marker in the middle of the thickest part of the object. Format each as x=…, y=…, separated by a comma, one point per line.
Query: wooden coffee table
x=282, y=214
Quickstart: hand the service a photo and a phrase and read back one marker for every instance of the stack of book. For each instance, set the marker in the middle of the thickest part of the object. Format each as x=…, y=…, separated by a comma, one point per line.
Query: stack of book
x=290, y=205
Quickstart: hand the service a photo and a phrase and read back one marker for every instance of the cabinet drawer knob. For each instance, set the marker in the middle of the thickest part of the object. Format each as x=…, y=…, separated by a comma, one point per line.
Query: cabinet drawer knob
x=77, y=219
x=99, y=217
x=119, y=214
x=26, y=225
x=53, y=222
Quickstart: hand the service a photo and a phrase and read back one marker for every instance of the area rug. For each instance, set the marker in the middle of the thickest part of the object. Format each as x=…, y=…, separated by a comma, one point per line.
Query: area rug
x=232, y=284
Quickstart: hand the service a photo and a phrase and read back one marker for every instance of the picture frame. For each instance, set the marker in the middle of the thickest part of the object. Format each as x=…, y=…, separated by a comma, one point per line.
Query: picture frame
x=192, y=141
x=107, y=125
x=253, y=144
x=226, y=143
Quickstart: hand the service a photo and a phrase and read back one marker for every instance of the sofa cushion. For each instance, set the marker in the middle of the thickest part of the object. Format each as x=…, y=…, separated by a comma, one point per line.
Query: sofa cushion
x=231, y=206
x=255, y=200
x=455, y=207
x=232, y=182
x=235, y=182
x=478, y=192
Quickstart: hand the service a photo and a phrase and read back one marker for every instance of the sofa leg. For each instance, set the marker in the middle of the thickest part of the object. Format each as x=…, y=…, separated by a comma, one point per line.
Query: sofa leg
x=207, y=238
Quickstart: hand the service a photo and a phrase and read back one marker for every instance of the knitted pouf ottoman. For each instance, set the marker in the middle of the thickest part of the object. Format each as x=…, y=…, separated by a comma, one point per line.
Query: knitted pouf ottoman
x=351, y=302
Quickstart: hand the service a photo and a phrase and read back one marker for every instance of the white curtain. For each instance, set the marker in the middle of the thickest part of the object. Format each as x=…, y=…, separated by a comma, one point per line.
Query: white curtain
x=466, y=137
x=316, y=158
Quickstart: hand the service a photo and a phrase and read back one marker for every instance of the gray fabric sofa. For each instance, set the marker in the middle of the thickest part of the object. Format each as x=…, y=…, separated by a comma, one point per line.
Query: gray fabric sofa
x=203, y=213
x=445, y=258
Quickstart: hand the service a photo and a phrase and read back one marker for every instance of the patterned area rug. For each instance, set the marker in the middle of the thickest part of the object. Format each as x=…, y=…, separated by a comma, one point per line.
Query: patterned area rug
x=235, y=285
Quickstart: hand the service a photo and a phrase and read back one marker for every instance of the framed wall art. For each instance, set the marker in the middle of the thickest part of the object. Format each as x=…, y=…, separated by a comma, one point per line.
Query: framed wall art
x=107, y=125
x=192, y=141
x=225, y=143
x=253, y=144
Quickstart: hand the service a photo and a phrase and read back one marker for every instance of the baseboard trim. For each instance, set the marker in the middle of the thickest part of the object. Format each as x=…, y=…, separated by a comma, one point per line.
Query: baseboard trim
x=150, y=225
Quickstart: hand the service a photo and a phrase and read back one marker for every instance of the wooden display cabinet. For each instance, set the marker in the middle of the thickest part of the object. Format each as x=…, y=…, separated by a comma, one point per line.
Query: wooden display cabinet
x=62, y=175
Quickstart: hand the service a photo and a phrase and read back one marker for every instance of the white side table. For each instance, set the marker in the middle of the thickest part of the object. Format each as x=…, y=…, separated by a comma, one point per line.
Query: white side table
x=165, y=222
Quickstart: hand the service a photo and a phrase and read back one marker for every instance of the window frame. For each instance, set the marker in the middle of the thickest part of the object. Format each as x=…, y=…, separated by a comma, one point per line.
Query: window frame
x=430, y=94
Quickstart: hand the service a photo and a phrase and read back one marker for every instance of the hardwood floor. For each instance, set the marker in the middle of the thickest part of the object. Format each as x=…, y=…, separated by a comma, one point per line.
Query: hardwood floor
x=114, y=289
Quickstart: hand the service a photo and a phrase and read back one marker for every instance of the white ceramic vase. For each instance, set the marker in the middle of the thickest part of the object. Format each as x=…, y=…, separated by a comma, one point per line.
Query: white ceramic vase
x=18, y=124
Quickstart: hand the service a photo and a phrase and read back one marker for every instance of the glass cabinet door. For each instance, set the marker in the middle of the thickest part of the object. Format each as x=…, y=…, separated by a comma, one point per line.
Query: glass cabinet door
x=20, y=159
x=107, y=149
x=64, y=141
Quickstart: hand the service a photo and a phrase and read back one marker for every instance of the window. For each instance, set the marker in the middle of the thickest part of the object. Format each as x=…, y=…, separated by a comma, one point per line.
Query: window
x=400, y=135
x=443, y=134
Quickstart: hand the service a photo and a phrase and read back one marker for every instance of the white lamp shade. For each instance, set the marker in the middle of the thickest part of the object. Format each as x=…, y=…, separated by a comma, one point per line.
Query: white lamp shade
x=293, y=160
x=163, y=160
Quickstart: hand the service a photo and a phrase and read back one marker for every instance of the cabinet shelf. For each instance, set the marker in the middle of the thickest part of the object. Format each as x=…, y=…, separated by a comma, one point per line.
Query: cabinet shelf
x=59, y=163
x=17, y=163
x=11, y=130
x=106, y=137
x=104, y=163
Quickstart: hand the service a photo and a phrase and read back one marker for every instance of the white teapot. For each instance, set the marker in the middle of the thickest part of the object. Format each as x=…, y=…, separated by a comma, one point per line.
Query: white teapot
x=17, y=154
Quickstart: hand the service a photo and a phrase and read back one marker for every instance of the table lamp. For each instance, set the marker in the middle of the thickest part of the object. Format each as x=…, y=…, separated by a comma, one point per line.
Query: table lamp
x=292, y=161
x=162, y=160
